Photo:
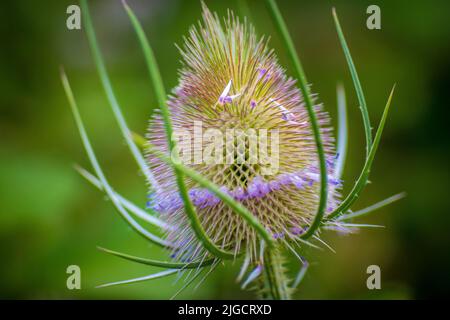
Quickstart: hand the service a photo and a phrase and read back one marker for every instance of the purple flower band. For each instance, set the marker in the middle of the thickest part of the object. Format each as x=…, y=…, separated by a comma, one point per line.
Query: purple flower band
x=258, y=188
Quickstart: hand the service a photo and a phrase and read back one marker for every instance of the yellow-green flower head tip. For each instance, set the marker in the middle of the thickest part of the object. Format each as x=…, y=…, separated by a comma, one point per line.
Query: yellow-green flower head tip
x=234, y=97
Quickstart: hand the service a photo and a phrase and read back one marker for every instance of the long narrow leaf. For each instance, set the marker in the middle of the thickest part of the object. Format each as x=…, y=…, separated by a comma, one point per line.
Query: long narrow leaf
x=342, y=140
x=156, y=263
x=106, y=83
x=373, y=207
x=149, y=277
x=90, y=152
x=130, y=206
x=364, y=176
x=357, y=84
x=161, y=97
x=361, y=225
x=300, y=75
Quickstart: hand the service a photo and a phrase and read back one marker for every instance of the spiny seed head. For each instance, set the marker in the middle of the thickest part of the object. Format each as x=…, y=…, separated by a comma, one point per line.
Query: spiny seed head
x=230, y=79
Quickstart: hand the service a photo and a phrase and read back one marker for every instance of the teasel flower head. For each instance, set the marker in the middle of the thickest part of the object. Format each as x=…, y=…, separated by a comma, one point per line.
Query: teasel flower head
x=254, y=180
x=231, y=80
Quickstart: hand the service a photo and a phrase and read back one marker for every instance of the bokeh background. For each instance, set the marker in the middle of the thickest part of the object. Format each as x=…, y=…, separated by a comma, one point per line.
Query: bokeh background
x=51, y=218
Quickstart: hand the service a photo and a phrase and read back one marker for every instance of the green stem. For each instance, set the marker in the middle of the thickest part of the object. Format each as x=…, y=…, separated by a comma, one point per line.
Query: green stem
x=276, y=284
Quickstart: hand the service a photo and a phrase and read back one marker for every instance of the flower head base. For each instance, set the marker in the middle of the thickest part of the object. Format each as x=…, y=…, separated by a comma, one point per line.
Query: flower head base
x=231, y=81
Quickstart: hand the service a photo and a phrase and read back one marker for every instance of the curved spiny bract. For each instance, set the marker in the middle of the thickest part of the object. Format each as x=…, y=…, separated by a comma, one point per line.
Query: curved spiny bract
x=231, y=80
x=157, y=263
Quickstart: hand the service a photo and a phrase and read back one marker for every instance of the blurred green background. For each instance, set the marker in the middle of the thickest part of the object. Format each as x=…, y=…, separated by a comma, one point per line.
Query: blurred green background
x=51, y=218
